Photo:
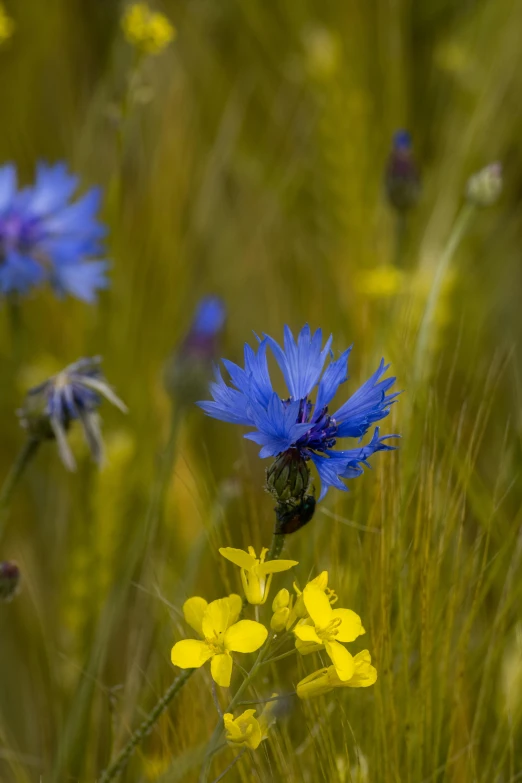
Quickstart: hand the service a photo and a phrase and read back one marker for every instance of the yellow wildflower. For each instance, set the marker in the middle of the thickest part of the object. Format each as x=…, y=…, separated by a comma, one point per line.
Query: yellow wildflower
x=6, y=25
x=298, y=609
x=147, y=30
x=217, y=623
x=256, y=575
x=245, y=731
x=325, y=680
x=327, y=627
x=381, y=282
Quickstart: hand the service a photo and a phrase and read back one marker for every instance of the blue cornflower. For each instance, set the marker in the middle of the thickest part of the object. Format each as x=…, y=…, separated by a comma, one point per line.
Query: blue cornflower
x=75, y=393
x=297, y=423
x=47, y=237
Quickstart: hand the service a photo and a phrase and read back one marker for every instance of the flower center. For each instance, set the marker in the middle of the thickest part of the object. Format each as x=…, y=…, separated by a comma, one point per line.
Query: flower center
x=17, y=233
x=216, y=643
x=330, y=631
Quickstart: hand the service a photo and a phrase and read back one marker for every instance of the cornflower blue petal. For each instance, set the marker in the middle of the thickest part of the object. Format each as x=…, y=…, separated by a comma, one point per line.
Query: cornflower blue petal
x=78, y=218
x=333, y=466
x=229, y=404
x=368, y=405
x=335, y=374
x=301, y=363
x=81, y=280
x=362, y=453
x=257, y=369
x=277, y=426
x=53, y=188
x=328, y=471
x=19, y=273
x=7, y=185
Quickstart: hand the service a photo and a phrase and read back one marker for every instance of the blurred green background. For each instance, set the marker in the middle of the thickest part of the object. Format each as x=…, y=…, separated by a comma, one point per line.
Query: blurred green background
x=252, y=167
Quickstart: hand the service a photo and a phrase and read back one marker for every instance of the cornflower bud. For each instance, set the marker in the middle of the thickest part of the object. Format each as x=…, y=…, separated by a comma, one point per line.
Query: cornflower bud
x=287, y=479
x=9, y=580
x=484, y=187
x=402, y=178
x=187, y=371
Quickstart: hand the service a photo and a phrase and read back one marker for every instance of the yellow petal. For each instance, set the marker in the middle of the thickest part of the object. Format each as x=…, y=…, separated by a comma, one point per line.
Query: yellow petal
x=314, y=685
x=275, y=566
x=305, y=648
x=341, y=659
x=255, y=735
x=235, y=603
x=365, y=674
x=321, y=580
x=221, y=669
x=245, y=636
x=317, y=605
x=238, y=557
x=190, y=654
x=351, y=625
x=193, y=611
x=216, y=618
x=306, y=633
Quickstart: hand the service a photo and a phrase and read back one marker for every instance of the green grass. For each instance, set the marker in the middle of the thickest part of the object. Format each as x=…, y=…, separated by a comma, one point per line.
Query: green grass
x=253, y=169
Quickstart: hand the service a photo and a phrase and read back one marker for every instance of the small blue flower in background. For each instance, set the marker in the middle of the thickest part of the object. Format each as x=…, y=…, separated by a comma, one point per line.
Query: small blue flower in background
x=47, y=237
x=189, y=369
x=207, y=323
x=75, y=393
x=298, y=424
x=402, y=175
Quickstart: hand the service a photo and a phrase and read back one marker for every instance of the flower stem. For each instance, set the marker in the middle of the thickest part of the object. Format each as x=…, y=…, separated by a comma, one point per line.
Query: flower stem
x=276, y=547
x=279, y=657
x=225, y=771
x=21, y=462
x=120, y=762
x=422, y=351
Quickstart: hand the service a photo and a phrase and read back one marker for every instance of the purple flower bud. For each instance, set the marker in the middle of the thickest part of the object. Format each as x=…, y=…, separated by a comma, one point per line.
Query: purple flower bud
x=188, y=370
x=402, y=178
x=9, y=580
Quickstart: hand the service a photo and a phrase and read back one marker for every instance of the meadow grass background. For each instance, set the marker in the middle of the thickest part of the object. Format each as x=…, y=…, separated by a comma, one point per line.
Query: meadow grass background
x=252, y=168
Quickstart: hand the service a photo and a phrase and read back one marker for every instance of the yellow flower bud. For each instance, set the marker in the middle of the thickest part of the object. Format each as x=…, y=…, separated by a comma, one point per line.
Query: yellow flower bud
x=280, y=619
x=281, y=600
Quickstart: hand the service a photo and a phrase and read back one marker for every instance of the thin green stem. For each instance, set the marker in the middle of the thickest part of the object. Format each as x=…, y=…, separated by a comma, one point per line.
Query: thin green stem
x=225, y=771
x=120, y=762
x=143, y=539
x=423, y=348
x=279, y=657
x=276, y=547
x=400, y=238
x=18, y=468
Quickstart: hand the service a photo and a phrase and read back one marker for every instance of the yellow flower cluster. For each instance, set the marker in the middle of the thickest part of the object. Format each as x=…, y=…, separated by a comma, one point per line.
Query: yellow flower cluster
x=6, y=25
x=307, y=617
x=149, y=31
